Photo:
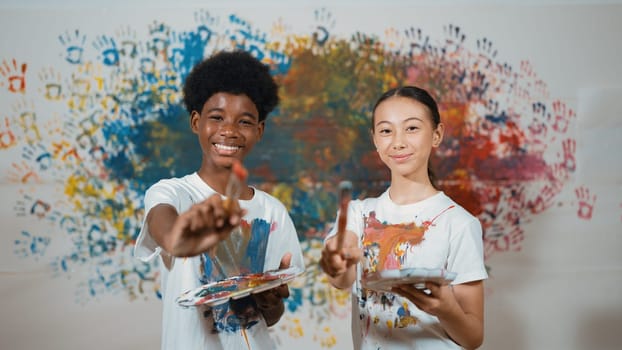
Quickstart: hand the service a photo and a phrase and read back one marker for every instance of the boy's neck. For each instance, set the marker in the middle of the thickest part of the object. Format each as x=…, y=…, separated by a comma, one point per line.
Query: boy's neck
x=218, y=182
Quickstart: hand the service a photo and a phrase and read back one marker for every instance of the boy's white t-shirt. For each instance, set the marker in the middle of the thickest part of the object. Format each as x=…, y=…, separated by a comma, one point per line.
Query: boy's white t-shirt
x=272, y=234
x=435, y=233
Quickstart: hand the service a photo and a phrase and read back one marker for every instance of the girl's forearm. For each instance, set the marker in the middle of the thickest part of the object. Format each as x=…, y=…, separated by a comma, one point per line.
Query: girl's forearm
x=465, y=329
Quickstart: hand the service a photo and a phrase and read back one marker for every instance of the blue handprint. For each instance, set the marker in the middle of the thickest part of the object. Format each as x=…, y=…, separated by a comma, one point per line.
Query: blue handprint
x=74, y=46
x=109, y=53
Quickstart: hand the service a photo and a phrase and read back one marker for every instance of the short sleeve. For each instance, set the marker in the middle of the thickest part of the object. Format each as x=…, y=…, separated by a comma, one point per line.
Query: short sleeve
x=466, y=253
x=146, y=248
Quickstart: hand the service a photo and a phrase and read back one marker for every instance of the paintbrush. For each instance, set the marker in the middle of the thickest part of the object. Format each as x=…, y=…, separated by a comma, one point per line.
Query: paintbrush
x=345, y=195
x=224, y=255
x=236, y=183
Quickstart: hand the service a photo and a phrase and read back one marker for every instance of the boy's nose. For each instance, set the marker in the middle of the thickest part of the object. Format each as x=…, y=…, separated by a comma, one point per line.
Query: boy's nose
x=228, y=128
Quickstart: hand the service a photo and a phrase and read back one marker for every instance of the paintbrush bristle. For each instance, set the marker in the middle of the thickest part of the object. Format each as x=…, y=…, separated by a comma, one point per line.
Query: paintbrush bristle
x=239, y=170
x=345, y=186
x=345, y=195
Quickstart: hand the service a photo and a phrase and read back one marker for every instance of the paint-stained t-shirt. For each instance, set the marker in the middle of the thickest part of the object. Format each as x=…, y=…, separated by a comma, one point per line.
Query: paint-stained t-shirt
x=435, y=233
x=266, y=234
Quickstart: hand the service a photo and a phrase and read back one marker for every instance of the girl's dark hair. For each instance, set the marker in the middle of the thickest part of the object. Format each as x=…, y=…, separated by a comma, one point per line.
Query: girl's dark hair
x=234, y=72
x=420, y=95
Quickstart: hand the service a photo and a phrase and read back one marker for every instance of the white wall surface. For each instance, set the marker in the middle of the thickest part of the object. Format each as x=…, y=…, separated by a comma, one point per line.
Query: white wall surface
x=562, y=290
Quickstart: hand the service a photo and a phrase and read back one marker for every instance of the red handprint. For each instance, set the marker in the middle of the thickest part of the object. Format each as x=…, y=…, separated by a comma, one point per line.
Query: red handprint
x=23, y=173
x=544, y=199
x=15, y=74
x=586, y=203
x=562, y=116
x=569, y=147
x=559, y=174
x=511, y=241
x=7, y=138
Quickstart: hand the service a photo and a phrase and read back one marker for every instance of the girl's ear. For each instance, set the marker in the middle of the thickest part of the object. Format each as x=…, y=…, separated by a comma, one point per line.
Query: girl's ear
x=194, y=121
x=437, y=136
x=373, y=139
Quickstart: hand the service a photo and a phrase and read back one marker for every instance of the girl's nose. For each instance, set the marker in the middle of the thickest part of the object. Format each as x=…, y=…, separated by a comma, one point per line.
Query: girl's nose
x=398, y=142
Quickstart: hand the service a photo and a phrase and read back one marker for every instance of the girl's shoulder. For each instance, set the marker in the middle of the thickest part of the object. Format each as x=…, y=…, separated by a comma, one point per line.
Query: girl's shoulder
x=369, y=203
x=453, y=209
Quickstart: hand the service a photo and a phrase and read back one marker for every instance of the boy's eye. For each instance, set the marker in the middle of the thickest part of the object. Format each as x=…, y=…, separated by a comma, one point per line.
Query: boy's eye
x=247, y=122
x=215, y=117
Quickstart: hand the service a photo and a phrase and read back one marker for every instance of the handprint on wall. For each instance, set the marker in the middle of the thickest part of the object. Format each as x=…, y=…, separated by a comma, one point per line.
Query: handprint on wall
x=13, y=76
x=586, y=202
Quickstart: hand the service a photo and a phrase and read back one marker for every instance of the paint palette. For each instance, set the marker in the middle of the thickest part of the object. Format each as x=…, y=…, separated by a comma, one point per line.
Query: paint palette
x=384, y=280
x=237, y=287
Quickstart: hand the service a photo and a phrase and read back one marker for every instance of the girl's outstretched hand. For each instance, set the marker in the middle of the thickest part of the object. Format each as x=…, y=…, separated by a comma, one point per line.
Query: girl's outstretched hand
x=340, y=265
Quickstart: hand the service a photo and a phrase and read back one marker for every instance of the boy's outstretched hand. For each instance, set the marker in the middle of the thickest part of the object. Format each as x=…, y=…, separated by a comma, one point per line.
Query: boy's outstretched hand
x=207, y=223
x=197, y=230
x=340, y=265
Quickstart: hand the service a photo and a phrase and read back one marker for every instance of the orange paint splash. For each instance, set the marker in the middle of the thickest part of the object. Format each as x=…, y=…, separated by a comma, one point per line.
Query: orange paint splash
x=390, y=239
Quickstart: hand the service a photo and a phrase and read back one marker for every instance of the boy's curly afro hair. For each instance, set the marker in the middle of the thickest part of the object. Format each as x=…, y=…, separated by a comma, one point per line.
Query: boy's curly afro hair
x=234, y=72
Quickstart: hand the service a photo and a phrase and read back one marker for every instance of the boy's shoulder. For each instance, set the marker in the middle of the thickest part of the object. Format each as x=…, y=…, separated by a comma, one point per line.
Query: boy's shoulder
x=263, y=198
x=173, y=180
x=187, y=182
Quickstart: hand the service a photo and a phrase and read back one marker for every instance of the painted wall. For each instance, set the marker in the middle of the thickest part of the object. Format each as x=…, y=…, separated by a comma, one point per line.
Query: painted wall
x=91, y=116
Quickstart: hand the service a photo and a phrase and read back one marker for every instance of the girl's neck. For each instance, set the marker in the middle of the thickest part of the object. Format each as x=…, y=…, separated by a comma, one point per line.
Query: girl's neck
x=407, y=191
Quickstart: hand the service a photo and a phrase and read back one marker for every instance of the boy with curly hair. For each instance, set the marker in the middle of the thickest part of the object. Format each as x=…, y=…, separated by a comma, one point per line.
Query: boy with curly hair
x=228, y=96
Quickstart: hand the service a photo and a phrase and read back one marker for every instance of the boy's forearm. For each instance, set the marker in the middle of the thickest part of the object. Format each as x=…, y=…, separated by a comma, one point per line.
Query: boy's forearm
x=161, y=220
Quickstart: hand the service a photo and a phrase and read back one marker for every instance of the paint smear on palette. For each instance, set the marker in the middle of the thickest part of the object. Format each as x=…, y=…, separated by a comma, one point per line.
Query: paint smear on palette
x=505, y=157
x=237, y=287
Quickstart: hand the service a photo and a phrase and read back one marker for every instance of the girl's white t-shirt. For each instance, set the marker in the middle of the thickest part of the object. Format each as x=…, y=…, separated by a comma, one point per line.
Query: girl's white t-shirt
x=435, y=233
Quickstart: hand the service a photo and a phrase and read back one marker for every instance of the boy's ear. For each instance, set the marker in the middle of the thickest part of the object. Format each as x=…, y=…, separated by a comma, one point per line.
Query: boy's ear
x=194, y=121
x=261, y=127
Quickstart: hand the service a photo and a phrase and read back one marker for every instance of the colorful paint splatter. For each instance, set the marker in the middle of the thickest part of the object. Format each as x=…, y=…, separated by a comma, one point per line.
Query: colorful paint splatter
x=118, y=126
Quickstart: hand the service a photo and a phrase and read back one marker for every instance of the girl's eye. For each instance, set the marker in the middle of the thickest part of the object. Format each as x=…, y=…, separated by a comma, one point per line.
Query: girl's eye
x=412, y=128
x=384, y=131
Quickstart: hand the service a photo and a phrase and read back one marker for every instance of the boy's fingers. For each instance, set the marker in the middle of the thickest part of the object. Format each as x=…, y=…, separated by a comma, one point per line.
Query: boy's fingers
x=286, y=261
